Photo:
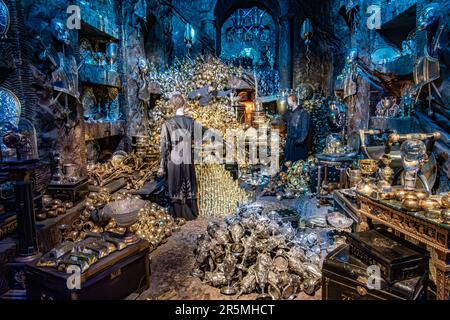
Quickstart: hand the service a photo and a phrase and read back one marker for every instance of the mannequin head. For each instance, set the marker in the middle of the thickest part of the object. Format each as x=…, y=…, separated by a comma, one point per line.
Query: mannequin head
x=60, y=31
x=429, y=16
x=178, y=103
x=292, y=101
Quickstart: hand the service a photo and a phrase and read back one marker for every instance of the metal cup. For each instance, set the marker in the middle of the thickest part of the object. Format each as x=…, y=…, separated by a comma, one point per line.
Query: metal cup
x=70, y=171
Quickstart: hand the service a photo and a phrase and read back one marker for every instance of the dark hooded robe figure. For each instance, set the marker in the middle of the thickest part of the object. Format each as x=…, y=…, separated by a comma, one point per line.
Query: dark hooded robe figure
x=298, y=123
x=177, y=162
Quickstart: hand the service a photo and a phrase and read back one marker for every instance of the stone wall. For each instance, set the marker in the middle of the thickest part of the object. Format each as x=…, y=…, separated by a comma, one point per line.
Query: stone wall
x=58, y=122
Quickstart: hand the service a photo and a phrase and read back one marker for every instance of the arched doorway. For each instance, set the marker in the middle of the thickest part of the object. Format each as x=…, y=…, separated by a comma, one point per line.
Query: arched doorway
x=249, y=36
x=275, y=21
x=225, y=9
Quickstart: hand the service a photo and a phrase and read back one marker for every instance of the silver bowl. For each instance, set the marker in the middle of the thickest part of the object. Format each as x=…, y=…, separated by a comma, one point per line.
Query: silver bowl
x=125, y=213
x=339, y=221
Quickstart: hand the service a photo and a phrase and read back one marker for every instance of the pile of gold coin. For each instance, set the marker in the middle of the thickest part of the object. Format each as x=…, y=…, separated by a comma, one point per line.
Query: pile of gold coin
x=155, y=224
x=218, y=192
x=136, y=169
x=187, y=75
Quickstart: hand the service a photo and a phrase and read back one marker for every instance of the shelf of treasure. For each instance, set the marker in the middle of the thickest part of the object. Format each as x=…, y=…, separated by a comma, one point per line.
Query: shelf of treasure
x=105, y=129
x=101, y=267
x=98, y=76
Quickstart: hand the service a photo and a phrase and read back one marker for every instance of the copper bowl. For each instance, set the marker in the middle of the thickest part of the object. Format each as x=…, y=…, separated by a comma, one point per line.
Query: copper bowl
x=422, y=195
x=411, y=204
x=445, y=216
x=445, y=201
x=386, y=195
x=400, y=194
x=52, y=214
x=433, y=214
x=41, y=216
x=429, y=204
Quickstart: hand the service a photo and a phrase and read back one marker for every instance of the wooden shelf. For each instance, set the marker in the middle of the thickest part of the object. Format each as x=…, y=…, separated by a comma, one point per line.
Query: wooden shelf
x=99, y=130
x=47, y=231
x=97, y=76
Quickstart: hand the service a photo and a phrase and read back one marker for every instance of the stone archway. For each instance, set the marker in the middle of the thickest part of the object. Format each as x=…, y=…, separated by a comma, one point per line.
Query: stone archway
x=278, y=9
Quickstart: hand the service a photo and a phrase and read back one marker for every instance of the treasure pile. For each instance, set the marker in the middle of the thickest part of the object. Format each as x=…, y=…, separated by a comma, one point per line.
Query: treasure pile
x=257, y=252
x=154, y=222
x=291, y=183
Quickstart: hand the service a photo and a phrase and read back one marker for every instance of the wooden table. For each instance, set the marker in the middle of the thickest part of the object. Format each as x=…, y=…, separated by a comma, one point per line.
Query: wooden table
x=415, y=227
x=327, y=162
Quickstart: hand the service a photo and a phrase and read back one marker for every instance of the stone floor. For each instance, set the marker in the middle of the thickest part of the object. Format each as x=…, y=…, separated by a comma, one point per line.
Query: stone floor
x=173, y=261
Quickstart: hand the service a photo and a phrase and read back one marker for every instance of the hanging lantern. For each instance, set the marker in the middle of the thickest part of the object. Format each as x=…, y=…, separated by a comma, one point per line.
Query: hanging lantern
x=189, y=36
x=307, y=31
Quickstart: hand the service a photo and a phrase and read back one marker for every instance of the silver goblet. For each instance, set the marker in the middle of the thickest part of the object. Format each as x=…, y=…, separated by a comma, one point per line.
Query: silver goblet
x=229, y=266
x=111, y=53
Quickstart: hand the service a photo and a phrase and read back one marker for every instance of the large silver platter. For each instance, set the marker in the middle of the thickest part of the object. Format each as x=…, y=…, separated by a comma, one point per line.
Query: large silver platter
x=4, y=19
x=86, y=51
x=10, y=107
x=89, y=104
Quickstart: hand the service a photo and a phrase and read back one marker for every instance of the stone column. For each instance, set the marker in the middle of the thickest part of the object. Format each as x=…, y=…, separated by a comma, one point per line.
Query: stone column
x=285, y=51
x=208, y=27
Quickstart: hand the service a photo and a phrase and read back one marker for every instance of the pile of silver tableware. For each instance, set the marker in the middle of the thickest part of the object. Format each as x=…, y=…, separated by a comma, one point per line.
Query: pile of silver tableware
x=255, y=252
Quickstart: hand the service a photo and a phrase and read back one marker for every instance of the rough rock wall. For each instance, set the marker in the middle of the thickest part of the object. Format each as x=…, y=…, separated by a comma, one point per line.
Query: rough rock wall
x=149, y=39
x=58, y=128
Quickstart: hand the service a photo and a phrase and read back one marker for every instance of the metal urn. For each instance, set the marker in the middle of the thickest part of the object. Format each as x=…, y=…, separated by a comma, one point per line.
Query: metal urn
x=282, y=102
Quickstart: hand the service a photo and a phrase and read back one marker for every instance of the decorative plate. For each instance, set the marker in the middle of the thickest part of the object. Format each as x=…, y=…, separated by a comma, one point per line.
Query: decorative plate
x=339, y=221
x=10, y=106
x=4, y=19
x=89, y=104
x=86, y=51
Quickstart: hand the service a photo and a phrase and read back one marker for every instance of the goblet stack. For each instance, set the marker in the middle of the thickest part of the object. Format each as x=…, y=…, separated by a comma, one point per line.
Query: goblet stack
x=218, y=192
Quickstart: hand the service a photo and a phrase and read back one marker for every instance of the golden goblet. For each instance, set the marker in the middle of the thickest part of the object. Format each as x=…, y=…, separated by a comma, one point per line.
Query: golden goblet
x=368, y=168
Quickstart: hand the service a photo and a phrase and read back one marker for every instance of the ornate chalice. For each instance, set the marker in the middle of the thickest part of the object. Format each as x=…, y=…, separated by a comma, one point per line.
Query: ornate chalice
x=111, y=53
x=237, y=231
x=125, y=213
x=368, y=168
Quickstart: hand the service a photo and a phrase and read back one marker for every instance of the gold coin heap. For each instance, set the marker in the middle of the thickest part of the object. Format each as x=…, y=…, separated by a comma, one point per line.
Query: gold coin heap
x=156, y=225
x=189, y=75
